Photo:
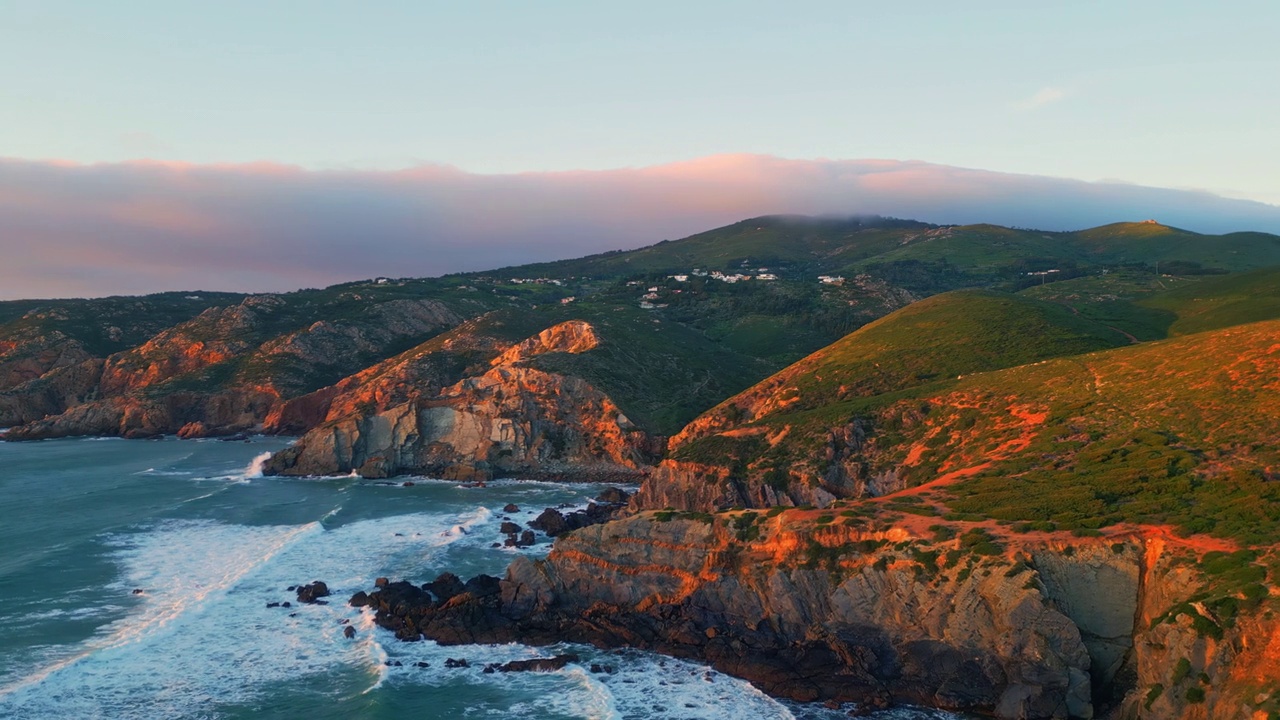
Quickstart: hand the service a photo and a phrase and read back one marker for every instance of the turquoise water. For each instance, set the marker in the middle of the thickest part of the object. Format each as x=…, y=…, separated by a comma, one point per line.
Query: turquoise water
x=86, y=523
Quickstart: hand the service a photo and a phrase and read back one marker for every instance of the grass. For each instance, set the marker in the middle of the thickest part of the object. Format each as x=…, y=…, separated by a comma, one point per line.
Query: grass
x=926, y=345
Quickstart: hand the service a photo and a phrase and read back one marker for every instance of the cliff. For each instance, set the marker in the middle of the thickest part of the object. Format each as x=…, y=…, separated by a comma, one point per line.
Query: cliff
x=225, y=371
x=1051, y=626
x=509, y=419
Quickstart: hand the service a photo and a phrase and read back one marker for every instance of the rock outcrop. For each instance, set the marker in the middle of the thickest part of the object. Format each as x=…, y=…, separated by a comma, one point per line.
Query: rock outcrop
x=508, y=420
x=225, y=371
x=1077, y=629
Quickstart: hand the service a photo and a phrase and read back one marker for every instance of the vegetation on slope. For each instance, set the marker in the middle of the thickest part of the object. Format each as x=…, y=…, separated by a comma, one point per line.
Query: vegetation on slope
x=931, y=342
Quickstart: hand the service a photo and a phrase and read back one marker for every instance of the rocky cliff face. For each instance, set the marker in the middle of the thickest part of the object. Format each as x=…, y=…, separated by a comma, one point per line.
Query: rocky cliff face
x=510, y=419
x=1047, y=627
x=222, y=372
x=28, y=356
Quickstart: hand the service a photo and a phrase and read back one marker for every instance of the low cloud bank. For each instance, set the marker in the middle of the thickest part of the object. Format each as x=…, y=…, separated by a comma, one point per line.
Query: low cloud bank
x=84, y=230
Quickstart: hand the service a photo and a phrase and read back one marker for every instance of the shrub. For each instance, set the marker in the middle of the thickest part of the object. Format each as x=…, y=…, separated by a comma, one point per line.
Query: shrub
x=1152, y=695
x=1180, y=671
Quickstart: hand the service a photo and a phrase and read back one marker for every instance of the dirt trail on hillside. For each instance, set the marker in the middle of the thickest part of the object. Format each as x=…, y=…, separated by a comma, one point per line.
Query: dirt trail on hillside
x=1031, y=421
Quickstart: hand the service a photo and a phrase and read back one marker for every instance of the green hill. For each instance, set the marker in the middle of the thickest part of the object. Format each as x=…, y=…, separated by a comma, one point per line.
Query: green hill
x=928, y=344
x=1152, y=307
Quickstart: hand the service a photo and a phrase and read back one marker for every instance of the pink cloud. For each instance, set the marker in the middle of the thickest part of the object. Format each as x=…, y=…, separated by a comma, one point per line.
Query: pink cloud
x=67, y=228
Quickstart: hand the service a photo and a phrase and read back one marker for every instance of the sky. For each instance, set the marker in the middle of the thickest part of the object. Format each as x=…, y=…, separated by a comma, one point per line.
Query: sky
x=365, y=99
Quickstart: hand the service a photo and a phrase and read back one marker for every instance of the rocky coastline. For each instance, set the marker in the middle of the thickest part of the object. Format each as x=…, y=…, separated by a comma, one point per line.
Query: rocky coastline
x=1058, y=628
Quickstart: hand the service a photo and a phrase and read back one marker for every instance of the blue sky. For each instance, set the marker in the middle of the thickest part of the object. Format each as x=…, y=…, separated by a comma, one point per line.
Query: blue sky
x=1171, y=94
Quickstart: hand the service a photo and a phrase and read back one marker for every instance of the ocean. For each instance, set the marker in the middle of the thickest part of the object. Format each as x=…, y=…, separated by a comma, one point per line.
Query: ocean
x=135, y=578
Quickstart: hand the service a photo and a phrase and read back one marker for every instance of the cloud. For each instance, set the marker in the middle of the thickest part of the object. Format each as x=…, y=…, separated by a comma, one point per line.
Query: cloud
x=84, y=230
x=1042, y=97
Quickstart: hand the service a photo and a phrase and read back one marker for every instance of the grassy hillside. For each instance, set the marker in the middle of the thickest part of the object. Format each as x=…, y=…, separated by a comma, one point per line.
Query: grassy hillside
x=106, y=325
x=660, y=373
x=1183, y=432
x=684, y=343
x=1152, y=307
x=930, y=343
x=793, y=243
x=1148, y=242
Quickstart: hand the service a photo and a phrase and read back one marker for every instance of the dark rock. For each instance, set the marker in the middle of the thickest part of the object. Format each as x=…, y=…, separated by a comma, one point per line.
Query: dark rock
x=551, y=522
x=420, y=663
x=483, y=586
x=509, y=528
x=555, y=523
x=291, y=588
x=313, y=592
x=527, y=539
x=406, y=483
x=614, y=496
x=380, y=582
x=286, y=604
x=488, y=669
x=445, y=586
x=349, y=632
x=511, y=508
x=273, y=604
x=137, y=591
x=496, y=545
x=595, y=668
x=360, y=599
x=458, y=663
x=550, y=664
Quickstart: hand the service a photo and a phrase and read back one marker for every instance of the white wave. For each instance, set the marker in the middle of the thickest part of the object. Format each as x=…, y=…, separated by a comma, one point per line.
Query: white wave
x=202, y=629
x=254, y=469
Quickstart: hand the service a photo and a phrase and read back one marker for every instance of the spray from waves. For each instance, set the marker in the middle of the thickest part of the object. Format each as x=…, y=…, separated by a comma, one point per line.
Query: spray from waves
x=255, y=466
x=173, y=592
x=207, y=587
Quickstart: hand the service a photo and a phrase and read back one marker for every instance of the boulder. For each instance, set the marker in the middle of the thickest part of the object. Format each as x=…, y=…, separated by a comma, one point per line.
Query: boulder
x=511, y=508
x=550, y=664
x=445, y=586
x=483, y=586
x=551, y=522
x=509, y=528
x=349, y=632
x=613, y=496
x=313, y=592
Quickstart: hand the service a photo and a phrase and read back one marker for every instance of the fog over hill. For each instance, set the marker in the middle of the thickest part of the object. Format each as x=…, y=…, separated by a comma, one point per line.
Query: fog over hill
x=87, y=230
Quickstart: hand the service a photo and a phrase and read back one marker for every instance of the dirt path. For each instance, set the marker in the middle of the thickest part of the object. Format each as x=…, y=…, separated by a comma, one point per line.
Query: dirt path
x=1031, y=421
